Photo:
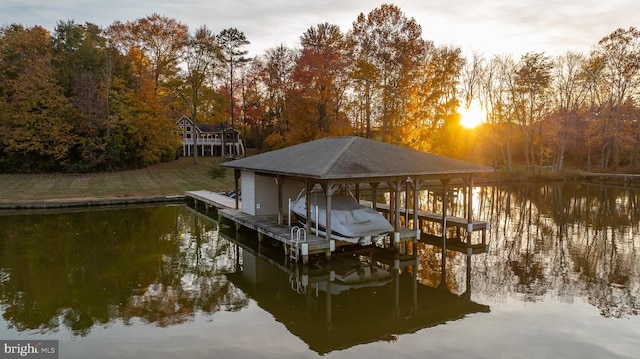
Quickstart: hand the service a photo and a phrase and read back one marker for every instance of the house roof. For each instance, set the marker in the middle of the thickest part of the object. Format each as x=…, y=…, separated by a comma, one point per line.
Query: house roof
x=207, y=127
x=354, y=158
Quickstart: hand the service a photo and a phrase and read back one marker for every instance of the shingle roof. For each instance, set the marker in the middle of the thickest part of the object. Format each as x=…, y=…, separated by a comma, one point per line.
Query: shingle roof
x=353, y=157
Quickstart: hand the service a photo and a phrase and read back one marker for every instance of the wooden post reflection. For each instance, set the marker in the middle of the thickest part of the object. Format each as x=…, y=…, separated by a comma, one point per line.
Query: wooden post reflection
x=327, y=303
x=467, y=293
x=396, y=281
x=443, y=269
x=415, y=286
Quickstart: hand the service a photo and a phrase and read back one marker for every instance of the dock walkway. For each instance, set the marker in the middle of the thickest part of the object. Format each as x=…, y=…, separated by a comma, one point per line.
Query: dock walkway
x=452, y=221
x=268, y=225
x=309, y=244
x=214, y=199
x=457, y=243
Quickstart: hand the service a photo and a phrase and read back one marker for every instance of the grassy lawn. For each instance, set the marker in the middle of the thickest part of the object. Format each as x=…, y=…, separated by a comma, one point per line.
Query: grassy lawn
x=164, y=179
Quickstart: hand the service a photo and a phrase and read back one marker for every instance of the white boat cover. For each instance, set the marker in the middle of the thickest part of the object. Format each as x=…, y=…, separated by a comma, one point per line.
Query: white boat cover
x=350, y=221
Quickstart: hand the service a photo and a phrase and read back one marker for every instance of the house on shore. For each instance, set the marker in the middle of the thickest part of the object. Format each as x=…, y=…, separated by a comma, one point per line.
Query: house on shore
x=210, y=139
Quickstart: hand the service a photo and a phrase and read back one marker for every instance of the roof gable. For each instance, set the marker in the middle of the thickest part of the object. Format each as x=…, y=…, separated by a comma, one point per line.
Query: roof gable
x=204, y=127
x=353, y=157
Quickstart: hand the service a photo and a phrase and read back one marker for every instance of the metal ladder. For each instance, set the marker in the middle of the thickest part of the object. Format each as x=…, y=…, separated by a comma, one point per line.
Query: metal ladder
x=298, y=236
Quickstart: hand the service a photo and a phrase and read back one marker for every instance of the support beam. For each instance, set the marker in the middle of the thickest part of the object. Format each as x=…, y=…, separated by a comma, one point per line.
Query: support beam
x=396, y=186
x=307, y=188
x=469, y=182
x=236, y=176
x=374, y=193
x=415, y=185
x=280, y=206
x=397, y=189
x=445, y=199
x=328, y=217
x=469, y=206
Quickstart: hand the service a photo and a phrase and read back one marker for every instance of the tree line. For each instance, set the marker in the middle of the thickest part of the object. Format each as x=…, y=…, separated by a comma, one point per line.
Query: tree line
x=83, y=98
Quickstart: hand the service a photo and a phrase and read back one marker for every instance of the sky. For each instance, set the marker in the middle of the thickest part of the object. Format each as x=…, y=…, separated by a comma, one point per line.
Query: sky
x=487, y=27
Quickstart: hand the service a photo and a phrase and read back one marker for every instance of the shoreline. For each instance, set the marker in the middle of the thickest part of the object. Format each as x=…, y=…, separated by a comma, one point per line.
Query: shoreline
x=628, y=180
x=88, y=202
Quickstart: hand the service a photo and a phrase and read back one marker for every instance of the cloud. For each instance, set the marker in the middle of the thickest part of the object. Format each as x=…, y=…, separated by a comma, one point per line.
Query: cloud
x=494, y=26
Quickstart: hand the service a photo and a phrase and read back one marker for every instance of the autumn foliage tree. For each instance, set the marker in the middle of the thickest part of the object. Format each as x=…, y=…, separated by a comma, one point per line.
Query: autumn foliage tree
x=34, y=113
x=84, y=98
x=319, y=85
x=388, y=48
x=72, y=102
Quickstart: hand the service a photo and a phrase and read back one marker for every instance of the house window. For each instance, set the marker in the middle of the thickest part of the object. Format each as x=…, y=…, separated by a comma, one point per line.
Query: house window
x=188, y=135
x=188, y=128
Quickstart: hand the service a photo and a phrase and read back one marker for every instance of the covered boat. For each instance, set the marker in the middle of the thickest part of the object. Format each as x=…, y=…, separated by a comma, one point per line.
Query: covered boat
x=350, y=221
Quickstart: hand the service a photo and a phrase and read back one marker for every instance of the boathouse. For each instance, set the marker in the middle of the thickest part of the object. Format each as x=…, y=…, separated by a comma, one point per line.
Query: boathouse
x=268, y=181
x=210, y=139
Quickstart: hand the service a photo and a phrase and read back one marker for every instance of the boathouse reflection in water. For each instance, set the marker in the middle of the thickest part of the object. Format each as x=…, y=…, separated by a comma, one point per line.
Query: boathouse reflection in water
x=356, y=298
x=562, y=268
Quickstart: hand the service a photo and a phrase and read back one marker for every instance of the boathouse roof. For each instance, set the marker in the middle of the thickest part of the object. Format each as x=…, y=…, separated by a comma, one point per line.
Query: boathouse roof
x=351, y=157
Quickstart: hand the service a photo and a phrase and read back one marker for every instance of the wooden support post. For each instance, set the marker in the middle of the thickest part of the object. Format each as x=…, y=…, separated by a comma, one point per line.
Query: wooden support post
x=469, y=207
x=328, y=217
x=445, y=199
x=395, y=187
x=236, y=176
x=280, y=210
x=416, y=218
x=374, y=190
x=304, y=252
x=406, y=202
x=307, y=188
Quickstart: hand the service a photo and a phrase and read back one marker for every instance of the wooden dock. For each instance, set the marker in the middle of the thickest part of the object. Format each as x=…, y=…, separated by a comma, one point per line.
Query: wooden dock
x=308, y=243
x=452, y=221
x=456, y=243
x=305, y=244
x=217, y=200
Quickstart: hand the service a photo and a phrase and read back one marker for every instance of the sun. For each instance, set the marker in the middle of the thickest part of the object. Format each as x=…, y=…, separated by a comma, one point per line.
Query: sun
x=471, y=116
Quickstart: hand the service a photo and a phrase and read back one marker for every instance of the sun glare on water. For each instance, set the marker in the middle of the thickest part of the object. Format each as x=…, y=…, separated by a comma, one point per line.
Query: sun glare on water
x=472, y=116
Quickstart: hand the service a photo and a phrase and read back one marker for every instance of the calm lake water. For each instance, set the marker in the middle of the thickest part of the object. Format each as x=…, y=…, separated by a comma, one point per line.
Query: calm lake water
x=561, y=278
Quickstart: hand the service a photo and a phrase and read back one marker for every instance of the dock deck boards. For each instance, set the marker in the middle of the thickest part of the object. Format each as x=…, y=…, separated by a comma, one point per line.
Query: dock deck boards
x=263, y=225
x=218, y=200
x=269, y=227
x=452, y=221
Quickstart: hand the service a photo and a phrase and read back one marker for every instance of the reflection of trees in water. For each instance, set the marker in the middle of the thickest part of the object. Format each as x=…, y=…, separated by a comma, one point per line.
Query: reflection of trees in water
x=80, y=269
x=430, y=268
x=192, y=279
x=564, y=240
